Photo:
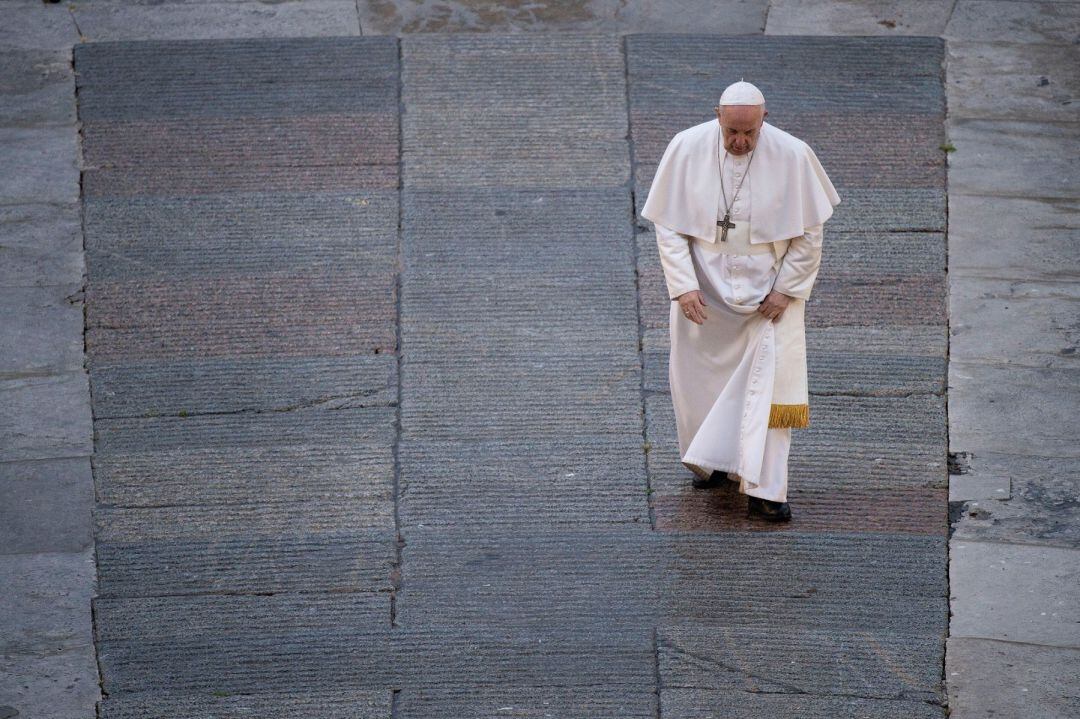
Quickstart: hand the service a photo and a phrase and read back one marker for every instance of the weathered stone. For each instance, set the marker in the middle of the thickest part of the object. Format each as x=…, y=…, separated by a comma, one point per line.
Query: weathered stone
x=1041, y=317
x=857, y=17
x=994, y=678
x=45, y=416
x=29, y=24
x=45, y=505
x=47, y=662
x=1015, y=593
x=1028, y=81
x=1014, y=238
x=122, y=20
x=42, y=329
x=1014, y=159
x=391, y=17
x=1012, y=409
x=1042, y=506
x=1018, y=21
x=37, y=87
x=686, y=703
x=39, y=164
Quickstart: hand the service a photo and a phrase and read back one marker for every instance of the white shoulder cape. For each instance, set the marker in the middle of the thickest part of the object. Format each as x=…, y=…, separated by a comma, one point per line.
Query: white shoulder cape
x=789, y=190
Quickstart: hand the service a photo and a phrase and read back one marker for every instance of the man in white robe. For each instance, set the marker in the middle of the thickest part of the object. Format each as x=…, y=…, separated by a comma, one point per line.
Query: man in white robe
x=739, y=207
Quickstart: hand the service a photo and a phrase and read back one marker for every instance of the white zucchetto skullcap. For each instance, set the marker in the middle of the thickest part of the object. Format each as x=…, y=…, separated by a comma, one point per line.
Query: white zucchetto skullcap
x=742, y=93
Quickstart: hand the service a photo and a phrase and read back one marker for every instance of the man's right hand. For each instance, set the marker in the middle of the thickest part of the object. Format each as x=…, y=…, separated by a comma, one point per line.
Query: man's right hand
x=692, y=305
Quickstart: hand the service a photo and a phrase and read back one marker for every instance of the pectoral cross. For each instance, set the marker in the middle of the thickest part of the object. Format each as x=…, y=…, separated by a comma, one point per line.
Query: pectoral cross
x=727, y=224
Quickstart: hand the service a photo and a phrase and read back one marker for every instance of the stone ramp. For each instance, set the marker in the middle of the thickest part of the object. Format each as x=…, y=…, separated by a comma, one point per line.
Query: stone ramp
x=260, y=240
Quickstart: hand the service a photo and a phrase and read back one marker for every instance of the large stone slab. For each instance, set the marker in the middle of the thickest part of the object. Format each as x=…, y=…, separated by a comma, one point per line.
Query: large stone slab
x=518, y=111
x=37, y=87
x=45, y=506
x=112, y=20
x=730, y=17
x=994, y=678
x=1011, y=409
x=45, y=417
x=1009, y=158
x=42, y=329
x=1042, y=506
x=1040, y=317
x=312, y=704
x=29, y=24
x=39, y=164
x=852, y=17
x=1015, y=593
x=47, y=662
x=1017, y=21
x=1028, y=81
x=1011, y=238
x=681, y=703
x=716, y=655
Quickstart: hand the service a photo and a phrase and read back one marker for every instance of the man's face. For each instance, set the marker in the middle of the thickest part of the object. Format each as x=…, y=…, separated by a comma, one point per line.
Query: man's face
x=740, y=126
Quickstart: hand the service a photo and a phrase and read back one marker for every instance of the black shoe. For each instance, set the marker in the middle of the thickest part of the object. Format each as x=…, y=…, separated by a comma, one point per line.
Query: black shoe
x=768, y=509
x=715, y=479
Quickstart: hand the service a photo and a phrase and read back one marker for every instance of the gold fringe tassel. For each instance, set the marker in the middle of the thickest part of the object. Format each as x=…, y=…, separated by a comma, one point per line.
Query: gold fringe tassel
x=789, y=415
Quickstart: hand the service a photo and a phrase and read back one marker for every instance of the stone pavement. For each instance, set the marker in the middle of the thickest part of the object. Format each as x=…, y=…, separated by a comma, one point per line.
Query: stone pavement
x=293, y=517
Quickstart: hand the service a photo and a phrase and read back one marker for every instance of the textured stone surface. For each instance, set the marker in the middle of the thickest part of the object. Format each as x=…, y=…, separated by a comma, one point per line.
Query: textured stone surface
x=45, y=417
x=858, y=17
x=1016, y=21
x=47, y=663
x=45, y=505
x=993, y=678
x=42, y=329
x=1027, y=79
x=202, y=20
x=37, y=87
x=1015, y=593
x=254, y=469
x=1014, y=159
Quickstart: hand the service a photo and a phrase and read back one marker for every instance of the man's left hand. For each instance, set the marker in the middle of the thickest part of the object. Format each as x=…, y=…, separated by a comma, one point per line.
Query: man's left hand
x=774, y=305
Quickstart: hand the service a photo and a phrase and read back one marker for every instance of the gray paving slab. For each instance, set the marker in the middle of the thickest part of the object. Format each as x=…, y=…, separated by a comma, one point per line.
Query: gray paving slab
x=1015, y=593
x=47, y=229
x=565, y=482
x=715, y=704
x=716, y=655
x=225, y=385
x=343, y=561
x=1028, y=80
x=240, y=474
x=42, y=330
x=238, y=644
x=1042, y=506
x=1012, y=409
x=848, y=17
x=1010, y=238
x=992, y=678
x=1041, y=317
x=214, y=20
x=548, y=114
x=666, y=575
x=1014, y=159
x=39, y=164
x=37, y=87
x=47, y=662
x=729, y=17
x=1014, y=22
x=32, y=25
x=45, y=417
x=343, y=703
x=45, y=506
x=593, y=702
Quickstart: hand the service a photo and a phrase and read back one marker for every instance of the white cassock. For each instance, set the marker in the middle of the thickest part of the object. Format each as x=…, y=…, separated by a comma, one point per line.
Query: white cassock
x=738, y=381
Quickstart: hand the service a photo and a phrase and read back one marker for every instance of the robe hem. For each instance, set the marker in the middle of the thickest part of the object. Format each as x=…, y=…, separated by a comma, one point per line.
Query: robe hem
x=710, y=468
